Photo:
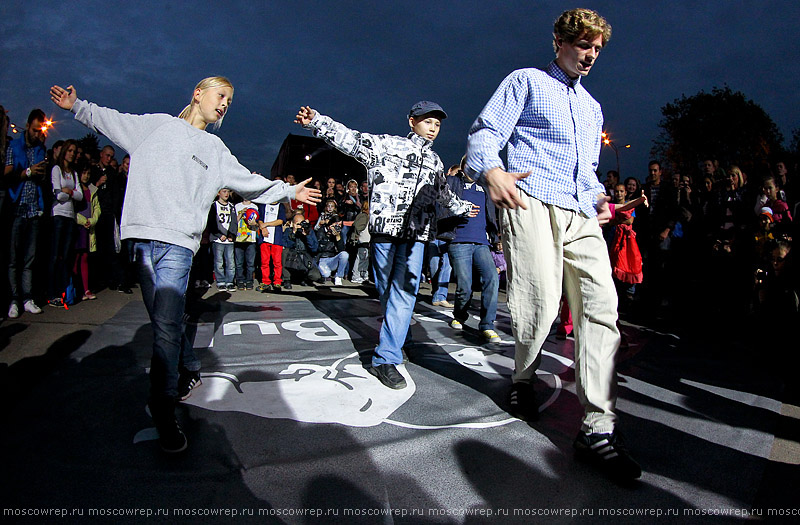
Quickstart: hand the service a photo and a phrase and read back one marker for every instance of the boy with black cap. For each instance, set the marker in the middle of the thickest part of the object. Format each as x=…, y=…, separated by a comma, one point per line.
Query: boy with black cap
x=406, y=177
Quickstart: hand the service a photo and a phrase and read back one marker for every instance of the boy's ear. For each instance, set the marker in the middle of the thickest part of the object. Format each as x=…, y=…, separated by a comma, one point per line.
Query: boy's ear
x=411, y=122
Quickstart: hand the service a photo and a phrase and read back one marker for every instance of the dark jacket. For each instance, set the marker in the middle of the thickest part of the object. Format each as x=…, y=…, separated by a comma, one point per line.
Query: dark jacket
x=448, y=222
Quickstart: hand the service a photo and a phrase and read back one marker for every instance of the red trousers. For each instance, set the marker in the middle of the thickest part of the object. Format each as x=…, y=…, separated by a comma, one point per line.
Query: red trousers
x=271, y=252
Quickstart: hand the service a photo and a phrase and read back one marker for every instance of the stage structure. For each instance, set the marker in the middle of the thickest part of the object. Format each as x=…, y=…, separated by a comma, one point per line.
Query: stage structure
x=306, y=157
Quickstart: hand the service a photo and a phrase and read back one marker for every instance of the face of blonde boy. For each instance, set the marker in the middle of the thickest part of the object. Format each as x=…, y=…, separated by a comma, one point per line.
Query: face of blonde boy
x=214, y=103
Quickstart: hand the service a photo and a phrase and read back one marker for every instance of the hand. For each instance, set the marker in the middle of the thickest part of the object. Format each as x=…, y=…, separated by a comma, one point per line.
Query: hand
x=87, y=225
x=102, y=180
x=67, y=191
x=473, y=212
x=305, y=116
x=603, y=210
x=502, y=188
x=63, y=98
x=223, y=238
x=646, y=202
x=307, y=195
x=38, y=170
x=663, y=235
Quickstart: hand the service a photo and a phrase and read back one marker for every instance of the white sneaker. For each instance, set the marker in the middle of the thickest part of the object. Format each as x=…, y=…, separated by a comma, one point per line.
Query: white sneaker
x=443, y=304
x=491, y=336
x=456, y=325
x=13, y=310
x=31, y=307
x=337, y=281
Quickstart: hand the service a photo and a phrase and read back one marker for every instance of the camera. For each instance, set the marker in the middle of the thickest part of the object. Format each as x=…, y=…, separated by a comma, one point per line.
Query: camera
x=306, y=226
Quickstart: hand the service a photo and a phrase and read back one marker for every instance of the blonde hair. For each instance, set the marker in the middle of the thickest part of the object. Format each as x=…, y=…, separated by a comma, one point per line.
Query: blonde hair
x=206, y=83
x=578, y=22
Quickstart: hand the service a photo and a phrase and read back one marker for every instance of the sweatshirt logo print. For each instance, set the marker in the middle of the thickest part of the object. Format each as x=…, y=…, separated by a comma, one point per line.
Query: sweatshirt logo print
x=194, y=158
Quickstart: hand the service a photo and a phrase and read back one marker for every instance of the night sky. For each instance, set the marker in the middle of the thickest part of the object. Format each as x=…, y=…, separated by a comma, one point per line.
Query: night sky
x=366, y=63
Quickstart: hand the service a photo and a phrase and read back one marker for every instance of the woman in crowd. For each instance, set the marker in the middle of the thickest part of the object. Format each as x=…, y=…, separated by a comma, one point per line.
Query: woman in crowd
x=66, y=192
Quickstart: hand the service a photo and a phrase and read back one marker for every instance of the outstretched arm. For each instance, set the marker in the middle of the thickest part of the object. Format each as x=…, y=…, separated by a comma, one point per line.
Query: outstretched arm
x=363, y=147
x=126, y=130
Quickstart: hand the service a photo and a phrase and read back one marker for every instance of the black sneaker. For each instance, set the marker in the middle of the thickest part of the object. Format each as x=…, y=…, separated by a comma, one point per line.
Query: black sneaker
x=187, y=381
x=287, y=285
x=608, y=453
x=170, y=436
x=522, y=402
x=124, y=289
x=389, y=376
x=276, y=288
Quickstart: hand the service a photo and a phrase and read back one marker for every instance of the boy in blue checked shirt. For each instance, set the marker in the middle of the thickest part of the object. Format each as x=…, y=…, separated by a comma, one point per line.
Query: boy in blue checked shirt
x=552, y=207
x=406, y=178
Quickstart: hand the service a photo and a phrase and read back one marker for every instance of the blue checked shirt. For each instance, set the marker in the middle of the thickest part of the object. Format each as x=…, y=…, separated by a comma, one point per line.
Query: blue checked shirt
x=552, y=127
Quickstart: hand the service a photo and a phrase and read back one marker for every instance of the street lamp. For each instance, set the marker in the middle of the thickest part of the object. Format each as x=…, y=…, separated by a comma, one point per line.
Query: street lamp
x=608, y=142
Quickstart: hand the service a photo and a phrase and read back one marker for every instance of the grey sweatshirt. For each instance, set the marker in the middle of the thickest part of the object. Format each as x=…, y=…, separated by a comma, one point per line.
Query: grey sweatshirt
x=176, y=171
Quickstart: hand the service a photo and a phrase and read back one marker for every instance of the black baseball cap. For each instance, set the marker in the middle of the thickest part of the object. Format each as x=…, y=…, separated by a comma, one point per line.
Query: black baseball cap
x=423, y=107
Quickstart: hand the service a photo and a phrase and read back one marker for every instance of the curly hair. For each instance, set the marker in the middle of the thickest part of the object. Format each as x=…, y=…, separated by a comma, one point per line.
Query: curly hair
x=575, y=23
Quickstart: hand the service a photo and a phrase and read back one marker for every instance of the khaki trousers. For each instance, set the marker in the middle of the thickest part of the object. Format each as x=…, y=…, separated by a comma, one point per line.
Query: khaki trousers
x=546, y=246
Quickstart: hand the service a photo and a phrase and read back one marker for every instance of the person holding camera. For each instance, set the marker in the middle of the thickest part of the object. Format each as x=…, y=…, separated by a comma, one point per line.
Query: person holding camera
x=299, y=247
x=25, y=170
x=332, y=253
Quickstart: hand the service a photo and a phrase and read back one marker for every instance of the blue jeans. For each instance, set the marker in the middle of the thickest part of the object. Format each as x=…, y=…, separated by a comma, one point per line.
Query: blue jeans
x=24, y=235
x=327, y=265
x=164, y=274
x=245, y=256
x=398, y=270
x=224, y=266
x=63, y=228
x=439, y=264
x=464, y=257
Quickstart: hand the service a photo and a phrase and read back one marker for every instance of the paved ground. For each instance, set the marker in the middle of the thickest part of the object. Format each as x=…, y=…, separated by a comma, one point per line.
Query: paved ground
x=289, y=427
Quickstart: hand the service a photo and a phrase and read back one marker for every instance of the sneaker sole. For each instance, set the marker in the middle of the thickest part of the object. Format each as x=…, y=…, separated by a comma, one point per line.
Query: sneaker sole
x=176, y=450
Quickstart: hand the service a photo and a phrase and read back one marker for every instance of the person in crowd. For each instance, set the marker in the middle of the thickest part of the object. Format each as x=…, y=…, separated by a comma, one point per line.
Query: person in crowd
x=26, y=179
x=626, y=259
x=780, y=210
x=300, y=246
x=188, y=166
x=612, y=180
x=67, y=194
x=552, y=206
x=332, y=257
x=106, y=180
x=349, y=207
x=363, y=191
x=222, y=225
x=360, y=238
x=406, y=178
x=436, y=253
x=244, y=245
x=470, y=253
x=270, y=242
x=85, y=236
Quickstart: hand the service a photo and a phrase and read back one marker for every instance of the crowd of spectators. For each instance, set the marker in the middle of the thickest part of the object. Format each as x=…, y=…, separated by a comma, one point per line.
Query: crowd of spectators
x=714, y=234
x=716, y=231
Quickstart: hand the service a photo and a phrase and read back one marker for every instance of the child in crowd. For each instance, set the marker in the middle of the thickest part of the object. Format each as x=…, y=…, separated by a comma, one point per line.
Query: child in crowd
x=780, y=210
x=86, y=238
x=270, y=238
x=245, y=244
x=222, y=228
x=406, y=178
x=66, y=193
x=359, y=237
x=626, y=259
x=176, y=169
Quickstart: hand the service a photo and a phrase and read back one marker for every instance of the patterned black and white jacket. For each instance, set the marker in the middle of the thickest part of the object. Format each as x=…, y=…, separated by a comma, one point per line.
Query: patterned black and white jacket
x=406, y=179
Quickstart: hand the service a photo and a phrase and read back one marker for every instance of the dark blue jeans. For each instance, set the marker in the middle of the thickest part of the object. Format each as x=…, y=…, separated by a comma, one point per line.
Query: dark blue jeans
x=63, y=231
x=464, y=258
x=164, y=274
x=21, y=254
x=245, y=257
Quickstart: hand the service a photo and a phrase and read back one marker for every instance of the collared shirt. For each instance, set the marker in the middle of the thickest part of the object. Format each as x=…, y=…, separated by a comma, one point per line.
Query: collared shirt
x=552, y=127
x=28, y=204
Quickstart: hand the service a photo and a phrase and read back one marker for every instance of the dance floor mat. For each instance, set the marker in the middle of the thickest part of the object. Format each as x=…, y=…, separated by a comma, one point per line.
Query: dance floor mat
x=288, y=426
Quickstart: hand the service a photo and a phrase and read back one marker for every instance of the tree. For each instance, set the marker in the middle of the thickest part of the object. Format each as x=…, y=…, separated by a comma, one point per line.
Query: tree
x=724, y=125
